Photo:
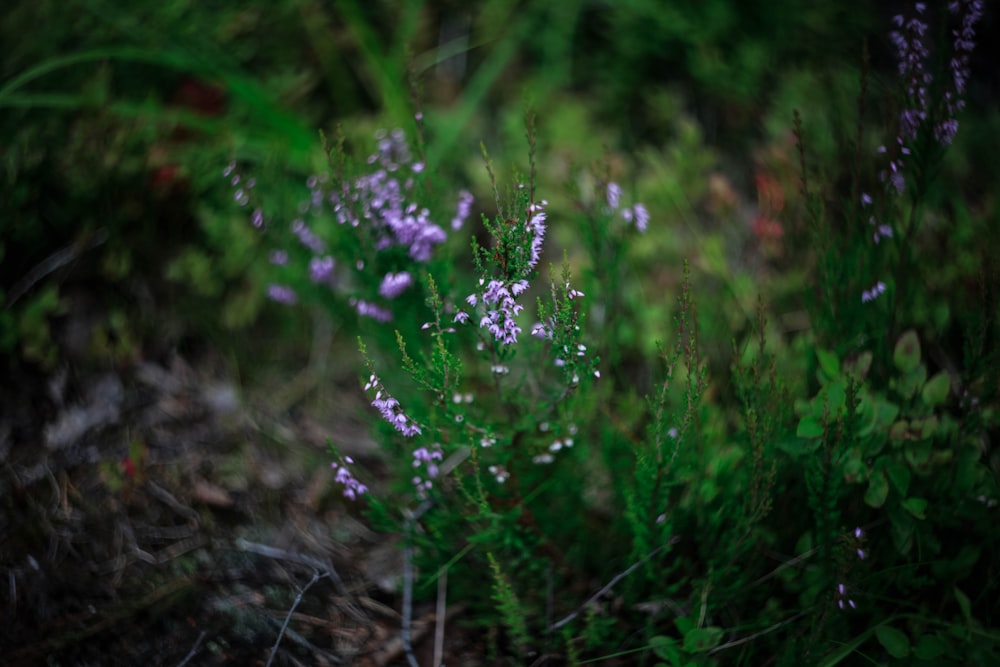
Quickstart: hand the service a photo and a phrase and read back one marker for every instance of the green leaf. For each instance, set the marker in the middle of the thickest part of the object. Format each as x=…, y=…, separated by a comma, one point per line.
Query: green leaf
x=878, y=489
x=828, y=363
x=918, y=453
x=915, y=506
x=926, y=427
x=833, y=397
x=935, y=392
x=929, y=647
x=912, y=381
x=899, y=475
x=854, y=468
x=894, y=641
x=809, y=427
x=699, y=640
x=664, y=647
x=964, y=604
x=859, y=366
x=901, y=527
x=906, y=356
x=887, y=412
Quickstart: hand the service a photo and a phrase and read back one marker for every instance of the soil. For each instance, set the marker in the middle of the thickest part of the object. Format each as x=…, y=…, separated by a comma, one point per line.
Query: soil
x=158, y=512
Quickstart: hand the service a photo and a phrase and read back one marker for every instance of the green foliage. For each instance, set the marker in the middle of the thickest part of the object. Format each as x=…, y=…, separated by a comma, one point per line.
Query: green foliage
x=641, y=478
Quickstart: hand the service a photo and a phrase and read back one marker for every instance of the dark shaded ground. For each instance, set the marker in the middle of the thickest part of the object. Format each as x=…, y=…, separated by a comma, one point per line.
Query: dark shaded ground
x=157, y=513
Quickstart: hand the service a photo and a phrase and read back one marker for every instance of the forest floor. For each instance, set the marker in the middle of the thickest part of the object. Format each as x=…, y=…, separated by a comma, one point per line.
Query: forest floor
x=159, y=512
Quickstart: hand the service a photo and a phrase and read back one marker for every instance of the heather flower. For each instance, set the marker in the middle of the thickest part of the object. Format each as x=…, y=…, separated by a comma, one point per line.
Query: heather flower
x=641, y=217
x=614, y=196
x=390, y=408
x=542, y=330
x=871, y=294
x=964, y=42
x=307, y=237
x=423, y=457
x=321, y=269
x=282, y=294
x=463, y=209
x=881, y=231
x=841, y=597
x=371, y=310
x=912, y=55
x=352, y=487
x=536, y=226
x=394, y=284
x=501, y=308
x=637, y=214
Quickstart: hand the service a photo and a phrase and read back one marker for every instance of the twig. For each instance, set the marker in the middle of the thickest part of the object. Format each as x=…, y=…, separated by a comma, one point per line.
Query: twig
x=193, y=651
x=168, y=499
x=323, y=566
x=54, y=262
x=284, y=626
x=611, y=584
x=291, y=556
x=440, y=612
x=408, y=593
x=763, y=632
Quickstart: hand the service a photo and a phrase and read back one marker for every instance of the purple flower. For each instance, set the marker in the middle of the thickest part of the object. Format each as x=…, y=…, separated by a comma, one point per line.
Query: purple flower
x=393, y=284
x=501, y=308
x=381, y=201
x=390, y=409
x=352, y=487
x=282, y=294
x=307, y=237
x=614, y=196
x=870, y=295
x=279, y=257
x=371, y=310
x=536, y=226
x=321, y=269
x=423, y=457
x=969, y=11
x=641, y=217
x=463, y=209
x=637, y=214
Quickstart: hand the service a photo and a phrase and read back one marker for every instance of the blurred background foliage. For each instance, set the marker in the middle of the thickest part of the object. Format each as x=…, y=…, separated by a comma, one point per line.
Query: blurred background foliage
x=117, y=118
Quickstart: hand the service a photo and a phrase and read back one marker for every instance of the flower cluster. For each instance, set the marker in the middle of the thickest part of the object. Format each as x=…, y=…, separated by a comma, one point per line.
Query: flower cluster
x=390, y=408
x=425, y=458
x=877, y=290
x=498, y=297
x=383, y=199
x=912, y=55
x=882, y=231
x=380, y=205
x=501, y=309
x=462, y=210
x=843, y=601
x=969, y=13
x=352, y=487
x=637, y=213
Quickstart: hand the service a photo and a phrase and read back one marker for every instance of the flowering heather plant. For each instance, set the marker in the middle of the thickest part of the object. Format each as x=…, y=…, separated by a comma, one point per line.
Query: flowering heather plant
x=392, y=234
x=738, y=515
